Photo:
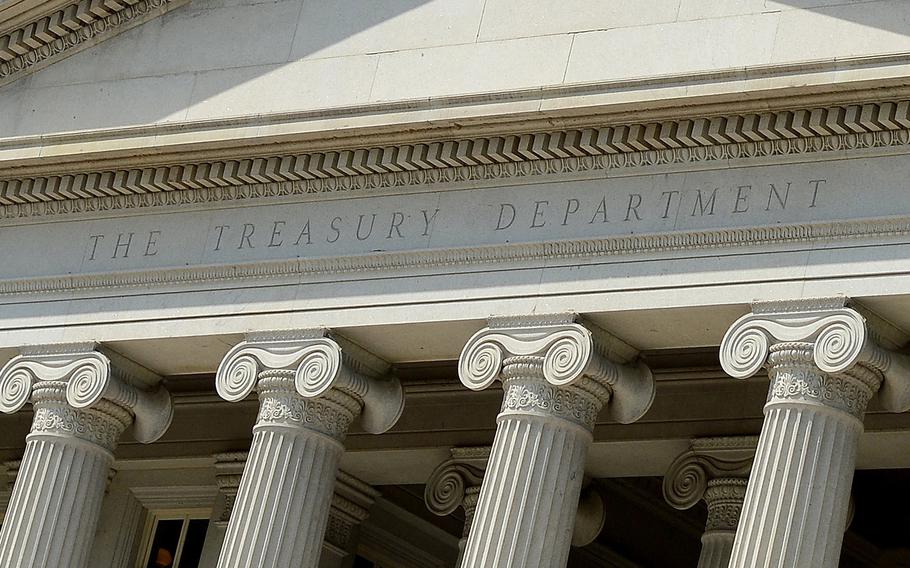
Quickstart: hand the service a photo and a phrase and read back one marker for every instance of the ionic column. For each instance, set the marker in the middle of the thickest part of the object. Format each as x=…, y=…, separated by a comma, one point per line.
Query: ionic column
x=716, y=470
x=228, y=472
x=351, y=504
x=351, y=501
x=83, y=400
x=824, y=366
x=8, y=473
x=310, y=390
x=556, y=378
x=456, y=483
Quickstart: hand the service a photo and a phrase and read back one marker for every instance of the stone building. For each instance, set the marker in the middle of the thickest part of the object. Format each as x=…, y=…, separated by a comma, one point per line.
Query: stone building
x=426, y=283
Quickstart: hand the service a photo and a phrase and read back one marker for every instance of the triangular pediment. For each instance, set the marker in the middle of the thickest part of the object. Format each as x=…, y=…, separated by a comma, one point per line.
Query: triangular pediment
x=38, y=33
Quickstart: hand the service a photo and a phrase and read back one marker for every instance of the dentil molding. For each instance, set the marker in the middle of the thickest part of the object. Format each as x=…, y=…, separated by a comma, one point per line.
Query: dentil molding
x=708, y=140
x=68, y=28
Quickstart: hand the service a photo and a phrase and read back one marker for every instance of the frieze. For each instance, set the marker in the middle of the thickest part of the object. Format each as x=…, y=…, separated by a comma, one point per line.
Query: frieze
x=440, y=228
x=575, y=250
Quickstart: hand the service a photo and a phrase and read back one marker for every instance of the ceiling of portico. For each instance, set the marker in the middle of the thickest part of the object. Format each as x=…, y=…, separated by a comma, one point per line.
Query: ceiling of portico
x=648, y=330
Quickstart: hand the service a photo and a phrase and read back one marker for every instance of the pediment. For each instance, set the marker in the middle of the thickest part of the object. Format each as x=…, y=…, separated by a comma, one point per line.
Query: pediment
x=38, y=33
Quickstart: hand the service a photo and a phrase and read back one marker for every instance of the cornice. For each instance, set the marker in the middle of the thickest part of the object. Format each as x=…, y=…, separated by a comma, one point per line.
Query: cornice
x=26, y=46
x=802, y=85
x=700, y=142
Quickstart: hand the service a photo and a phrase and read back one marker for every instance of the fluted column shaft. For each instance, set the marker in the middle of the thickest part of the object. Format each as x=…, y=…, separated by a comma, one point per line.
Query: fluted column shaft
x=282, y=505
x=56, y=500
x=714, y=470
x=309, y=393
x=825, y=360
x=80, y=411
x=456, y=483
x=556, y=378
x=526, y=511
x=797, y=502
x=724, y=497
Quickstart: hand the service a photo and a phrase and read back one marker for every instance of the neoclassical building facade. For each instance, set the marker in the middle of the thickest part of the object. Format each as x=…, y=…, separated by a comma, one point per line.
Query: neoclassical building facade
x=439, y=283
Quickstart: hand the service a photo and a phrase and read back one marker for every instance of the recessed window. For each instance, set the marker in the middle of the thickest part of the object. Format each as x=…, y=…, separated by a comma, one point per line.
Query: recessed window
x=174, y=539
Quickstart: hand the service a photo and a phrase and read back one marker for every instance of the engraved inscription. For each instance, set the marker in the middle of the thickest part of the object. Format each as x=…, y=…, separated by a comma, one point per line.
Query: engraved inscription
x=331, y=226
x=635, y=207
x=302, y=227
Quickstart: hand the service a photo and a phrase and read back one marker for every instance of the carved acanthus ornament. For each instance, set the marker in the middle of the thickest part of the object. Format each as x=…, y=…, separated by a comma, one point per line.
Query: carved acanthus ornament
x=305, y=378
x=818, y=351
x=553, y=366
x=78, y=391
x=716, y=470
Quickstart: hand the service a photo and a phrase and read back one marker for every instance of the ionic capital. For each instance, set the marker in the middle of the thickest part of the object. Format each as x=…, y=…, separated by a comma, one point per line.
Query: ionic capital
x=228, y=472
x=835, y=339
x=711, y=468
x=563, y=353
x=86, y=392
x=313, y=365
x=351, y=504
x=456, y=482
